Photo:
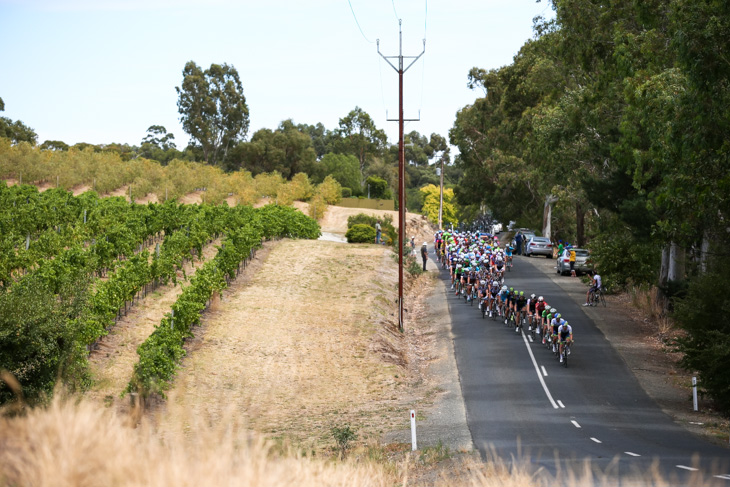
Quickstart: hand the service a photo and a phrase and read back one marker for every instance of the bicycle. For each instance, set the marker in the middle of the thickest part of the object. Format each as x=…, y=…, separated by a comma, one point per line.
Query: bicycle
x=565, y=354
x=596, y=297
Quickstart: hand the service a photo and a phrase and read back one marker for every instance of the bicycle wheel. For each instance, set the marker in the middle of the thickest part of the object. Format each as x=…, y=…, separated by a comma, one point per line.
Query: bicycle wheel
x=565, y=356
x=603, y=299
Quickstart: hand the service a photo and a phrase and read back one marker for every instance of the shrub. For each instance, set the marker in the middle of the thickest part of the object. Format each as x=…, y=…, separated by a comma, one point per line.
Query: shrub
x=702, y=313
x=388, y=232
x=360, y=233
x=346, y=192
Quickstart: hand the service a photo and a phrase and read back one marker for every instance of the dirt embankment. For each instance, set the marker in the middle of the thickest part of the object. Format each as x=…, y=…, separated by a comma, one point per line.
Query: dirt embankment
x=306, y=343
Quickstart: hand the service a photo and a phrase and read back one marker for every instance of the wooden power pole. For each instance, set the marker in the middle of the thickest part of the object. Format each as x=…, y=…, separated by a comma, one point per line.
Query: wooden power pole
x=401, y=161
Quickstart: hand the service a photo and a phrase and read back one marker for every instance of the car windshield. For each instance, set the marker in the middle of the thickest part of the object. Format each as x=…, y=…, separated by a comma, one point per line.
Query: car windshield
x=540, y=239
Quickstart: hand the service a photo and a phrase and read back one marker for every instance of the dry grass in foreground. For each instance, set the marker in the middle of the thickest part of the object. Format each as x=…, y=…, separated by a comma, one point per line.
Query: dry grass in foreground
x=79, y=444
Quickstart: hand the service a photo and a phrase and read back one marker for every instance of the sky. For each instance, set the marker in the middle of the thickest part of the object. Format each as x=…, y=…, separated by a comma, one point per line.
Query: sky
x=103, y=71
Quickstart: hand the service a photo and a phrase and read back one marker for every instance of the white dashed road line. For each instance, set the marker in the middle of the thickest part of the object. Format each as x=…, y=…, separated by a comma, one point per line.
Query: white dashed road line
x=632, y=454
x=560, y=403
x=537, y=369
x=575, y=423
x=544, y=370
x=684, y=467
x=723, y=477
x=596, y=440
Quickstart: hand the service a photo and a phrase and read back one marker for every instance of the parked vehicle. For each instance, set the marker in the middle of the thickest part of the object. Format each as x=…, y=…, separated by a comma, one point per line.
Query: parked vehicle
x=539, y=246
x=527, y=234
x=582, y=262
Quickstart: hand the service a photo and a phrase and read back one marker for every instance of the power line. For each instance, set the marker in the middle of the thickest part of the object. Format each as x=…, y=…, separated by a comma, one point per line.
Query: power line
x=358, y=23
x=394, y=11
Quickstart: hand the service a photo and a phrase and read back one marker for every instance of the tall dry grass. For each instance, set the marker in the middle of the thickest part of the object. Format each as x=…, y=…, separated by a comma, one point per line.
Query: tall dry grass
x=646, y=301
x=79, y=444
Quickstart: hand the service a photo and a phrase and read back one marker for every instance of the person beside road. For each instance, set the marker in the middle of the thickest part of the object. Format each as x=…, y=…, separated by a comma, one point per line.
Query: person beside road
x=378, y=231
x=424, y=254
x=595, y=286
x=572, y=261
x=518, y=243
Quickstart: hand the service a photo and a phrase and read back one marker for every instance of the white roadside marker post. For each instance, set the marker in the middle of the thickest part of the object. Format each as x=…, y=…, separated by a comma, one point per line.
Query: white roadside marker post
x=413, y=430
x=694, y=393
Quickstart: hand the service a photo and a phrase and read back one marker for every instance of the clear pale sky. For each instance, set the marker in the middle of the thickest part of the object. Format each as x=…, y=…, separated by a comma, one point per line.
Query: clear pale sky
x=103, y=71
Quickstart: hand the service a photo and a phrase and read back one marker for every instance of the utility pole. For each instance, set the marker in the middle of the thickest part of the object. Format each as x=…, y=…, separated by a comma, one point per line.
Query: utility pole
x=401, y=160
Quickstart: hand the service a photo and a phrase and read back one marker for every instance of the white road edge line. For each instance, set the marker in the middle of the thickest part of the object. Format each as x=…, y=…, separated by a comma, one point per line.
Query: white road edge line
x=684, y=467
x=575, y=423
x=632, y=454
x=544, y=370
x=560, y=403
x=596, y=440
x=537, y=369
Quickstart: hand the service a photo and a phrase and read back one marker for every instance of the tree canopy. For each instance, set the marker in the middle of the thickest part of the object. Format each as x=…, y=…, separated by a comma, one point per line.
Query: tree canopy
x=212, y=108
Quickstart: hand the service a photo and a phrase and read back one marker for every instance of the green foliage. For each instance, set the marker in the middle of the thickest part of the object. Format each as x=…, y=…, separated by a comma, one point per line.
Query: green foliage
x=357, y=135
x=286, y=150
x=706, y=346
x=343, y=167
x=389, y=234
x=343, y=436
x=623, y=259
x=378, y=188
x=213, y=109
x=360, y=233
x=38, y=341
x=346, y=192
x=15, y=131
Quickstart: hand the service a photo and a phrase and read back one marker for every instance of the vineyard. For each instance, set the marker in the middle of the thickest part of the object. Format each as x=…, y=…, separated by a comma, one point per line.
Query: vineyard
x=72, y=266
x=145, y=180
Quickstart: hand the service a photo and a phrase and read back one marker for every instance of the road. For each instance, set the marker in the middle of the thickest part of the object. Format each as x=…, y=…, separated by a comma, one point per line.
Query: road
x=521, y=403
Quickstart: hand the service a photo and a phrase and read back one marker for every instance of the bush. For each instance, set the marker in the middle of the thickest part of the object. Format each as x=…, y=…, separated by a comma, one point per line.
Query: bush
x=346, y=192
x=702, y=313
x=360, y=233
x=388, y=232
x=621, y=259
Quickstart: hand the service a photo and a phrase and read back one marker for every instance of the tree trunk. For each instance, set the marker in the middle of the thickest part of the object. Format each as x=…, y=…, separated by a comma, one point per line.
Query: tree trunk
x=547, y=216
x=661, y=295
x=676, y=263
x=704, y=250
x=580, y=216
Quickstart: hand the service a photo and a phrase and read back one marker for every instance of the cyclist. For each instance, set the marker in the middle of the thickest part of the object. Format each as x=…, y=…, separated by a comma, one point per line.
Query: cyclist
x=595, y=287
x=555, y=324
x=565, y=336
x=508, y=252
x=503, y=295
x=531, y=309
x=539, y=309
x=493, y=294
x=510, y=304
x=546, y=319
x=520, y=306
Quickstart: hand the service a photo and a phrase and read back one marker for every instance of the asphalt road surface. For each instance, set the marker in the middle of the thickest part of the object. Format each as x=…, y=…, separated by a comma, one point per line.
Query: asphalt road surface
x=523, y=405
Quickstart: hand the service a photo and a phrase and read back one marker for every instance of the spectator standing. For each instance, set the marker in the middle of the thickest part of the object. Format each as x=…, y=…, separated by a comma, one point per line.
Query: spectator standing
x=518, y=243
x=377, y=232
x=572, y=261
x=424, y=254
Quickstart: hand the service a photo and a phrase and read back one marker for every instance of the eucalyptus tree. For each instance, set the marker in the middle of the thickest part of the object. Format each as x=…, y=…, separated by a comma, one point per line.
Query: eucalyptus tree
x=213, y=109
